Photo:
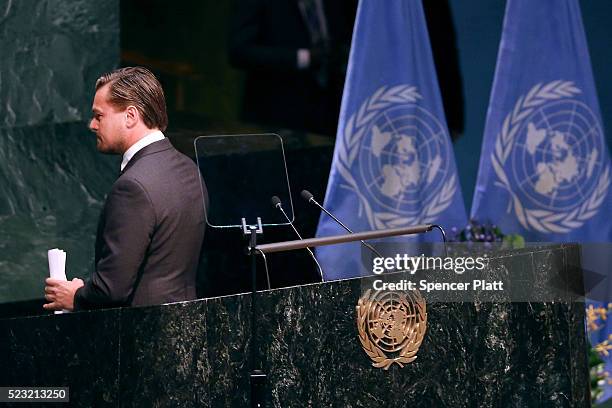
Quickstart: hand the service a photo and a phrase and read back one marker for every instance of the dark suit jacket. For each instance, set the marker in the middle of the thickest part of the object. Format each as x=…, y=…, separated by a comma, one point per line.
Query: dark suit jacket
x=264, y=40
x=150, y=233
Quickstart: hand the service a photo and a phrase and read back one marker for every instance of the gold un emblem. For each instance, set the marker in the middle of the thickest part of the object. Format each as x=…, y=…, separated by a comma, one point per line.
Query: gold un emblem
x=391, y=326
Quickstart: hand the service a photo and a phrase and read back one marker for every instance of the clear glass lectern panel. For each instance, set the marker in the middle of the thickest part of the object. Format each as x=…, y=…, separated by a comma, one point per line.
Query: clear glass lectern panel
x=242, y=173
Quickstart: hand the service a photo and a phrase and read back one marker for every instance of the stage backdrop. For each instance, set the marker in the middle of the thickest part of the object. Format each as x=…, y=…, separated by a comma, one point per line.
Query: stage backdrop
x=57, y=48
x=52, y=180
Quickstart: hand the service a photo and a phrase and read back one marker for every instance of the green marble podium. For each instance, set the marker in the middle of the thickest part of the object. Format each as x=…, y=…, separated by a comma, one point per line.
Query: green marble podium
x=474, y=354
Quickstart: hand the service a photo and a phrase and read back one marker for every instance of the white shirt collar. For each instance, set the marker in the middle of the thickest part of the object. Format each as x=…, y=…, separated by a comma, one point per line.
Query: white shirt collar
x=143, y=142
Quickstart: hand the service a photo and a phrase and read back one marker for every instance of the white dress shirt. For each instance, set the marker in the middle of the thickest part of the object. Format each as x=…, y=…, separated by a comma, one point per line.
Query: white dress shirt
x=145, y=141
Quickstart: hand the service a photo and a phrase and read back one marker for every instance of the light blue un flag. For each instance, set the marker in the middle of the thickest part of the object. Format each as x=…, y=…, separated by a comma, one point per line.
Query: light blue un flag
x=544, y=168
x=393, y=162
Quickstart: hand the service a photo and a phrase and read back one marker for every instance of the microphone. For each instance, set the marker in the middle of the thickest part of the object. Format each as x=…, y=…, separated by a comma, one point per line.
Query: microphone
x=276, y=203
x=307, y=195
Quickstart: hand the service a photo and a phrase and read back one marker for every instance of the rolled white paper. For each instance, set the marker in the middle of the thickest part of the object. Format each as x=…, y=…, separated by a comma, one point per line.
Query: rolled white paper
x=57, y=266
x=57, y=263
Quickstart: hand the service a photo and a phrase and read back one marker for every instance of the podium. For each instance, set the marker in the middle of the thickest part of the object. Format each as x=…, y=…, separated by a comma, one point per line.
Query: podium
x=196, y=353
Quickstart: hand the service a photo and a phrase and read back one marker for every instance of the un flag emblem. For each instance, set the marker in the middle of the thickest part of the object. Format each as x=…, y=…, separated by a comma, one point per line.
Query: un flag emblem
x=549, y=156
x=395, y=157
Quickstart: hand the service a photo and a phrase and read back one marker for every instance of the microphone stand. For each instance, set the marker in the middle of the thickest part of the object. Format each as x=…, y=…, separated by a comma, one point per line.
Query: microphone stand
x=306, y=195
x=257, y=376
x=276, y=202
x=309, y=198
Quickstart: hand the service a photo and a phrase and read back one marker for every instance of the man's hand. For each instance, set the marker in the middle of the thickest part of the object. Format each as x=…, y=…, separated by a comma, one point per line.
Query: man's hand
x=60, y=293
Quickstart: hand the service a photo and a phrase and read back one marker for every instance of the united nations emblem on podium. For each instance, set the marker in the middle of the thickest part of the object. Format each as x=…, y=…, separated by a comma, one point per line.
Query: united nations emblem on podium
x=391, y=326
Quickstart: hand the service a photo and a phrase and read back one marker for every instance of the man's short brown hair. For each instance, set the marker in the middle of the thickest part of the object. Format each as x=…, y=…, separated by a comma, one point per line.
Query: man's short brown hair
x=139, y=87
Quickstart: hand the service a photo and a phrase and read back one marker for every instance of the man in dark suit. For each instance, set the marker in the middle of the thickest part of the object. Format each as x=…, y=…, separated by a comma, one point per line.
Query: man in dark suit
x=151, y=228
x=295, y=54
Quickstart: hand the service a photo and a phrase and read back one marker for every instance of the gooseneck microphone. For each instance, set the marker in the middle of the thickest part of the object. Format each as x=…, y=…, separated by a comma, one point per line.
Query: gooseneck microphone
x=276, y=203
x=307, y=195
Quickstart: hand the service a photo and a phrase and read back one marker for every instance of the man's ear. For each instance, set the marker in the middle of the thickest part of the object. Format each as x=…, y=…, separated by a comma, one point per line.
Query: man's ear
x=132, y=116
